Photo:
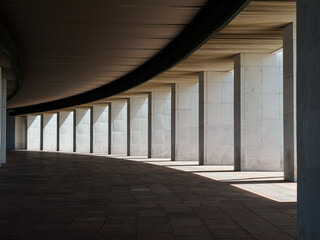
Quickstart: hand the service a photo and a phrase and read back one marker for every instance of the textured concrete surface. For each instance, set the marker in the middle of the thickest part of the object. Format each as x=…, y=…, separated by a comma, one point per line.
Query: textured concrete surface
x=119, y=127
x=258, y=116
x=139, y=125
x=33, y=132
x=161, y=123
x=216, y=118
x=290, y=102
x=66, y=131
x=186, y=128
x=50, y=132
x=20, y=133
x=72, y=196
x=100, y=129
x=83, y=130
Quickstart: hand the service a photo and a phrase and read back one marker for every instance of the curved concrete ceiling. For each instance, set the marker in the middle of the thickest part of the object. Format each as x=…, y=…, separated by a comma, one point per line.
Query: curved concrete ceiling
x=80, y=52
x=70, y=47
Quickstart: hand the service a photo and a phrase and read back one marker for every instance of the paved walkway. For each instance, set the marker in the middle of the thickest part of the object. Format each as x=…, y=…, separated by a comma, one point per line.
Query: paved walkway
x=266, y=184
x=70, y=196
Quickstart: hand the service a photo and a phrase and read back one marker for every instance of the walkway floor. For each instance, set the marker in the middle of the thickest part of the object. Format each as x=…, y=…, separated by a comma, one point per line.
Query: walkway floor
x=70, y=196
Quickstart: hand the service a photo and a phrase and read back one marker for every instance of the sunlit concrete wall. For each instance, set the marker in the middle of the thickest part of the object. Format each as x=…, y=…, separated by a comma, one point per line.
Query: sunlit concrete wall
x=139, y=126
x=100, y=128
x=186, y=127
x=216, y=118
x=33, y=132
x=83, y=130
x=66, y=131
x=258, y=99
x=161, y=123
x=20, y=133
x=50, y=132
x=119, y=127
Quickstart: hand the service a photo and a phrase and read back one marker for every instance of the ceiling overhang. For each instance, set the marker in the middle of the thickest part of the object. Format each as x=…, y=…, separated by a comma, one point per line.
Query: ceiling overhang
x=212, y=17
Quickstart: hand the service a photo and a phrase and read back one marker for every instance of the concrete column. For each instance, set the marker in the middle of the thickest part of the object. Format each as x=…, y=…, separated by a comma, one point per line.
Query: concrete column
x=258, y=112
x=33, y=132
x=20, y=136
x=49, y=131
x=216, y=118
x=10, y=132
x=100, y=128
x=308, y=119
x=160, y=123
x=66, y=131
x=119, y=127
x=139, y=126
x=186, y=127
x=3, y=123
x=289, y=102
x=83, y=136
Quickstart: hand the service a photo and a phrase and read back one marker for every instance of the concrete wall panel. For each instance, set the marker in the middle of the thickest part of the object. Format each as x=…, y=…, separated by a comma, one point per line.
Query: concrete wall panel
x=216, y=131
x=66, y=131
x=20, y=132
x=139, y=126
x=258, y=99
x=100, y=129
x=119, y=127
x=161, y=124
x=33, y=132
x=83, y=130
x=187, y=121
x=50, y=132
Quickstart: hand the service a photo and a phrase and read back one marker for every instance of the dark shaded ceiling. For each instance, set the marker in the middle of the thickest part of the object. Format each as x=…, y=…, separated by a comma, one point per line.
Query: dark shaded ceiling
x=77, y=52
x=70, y=47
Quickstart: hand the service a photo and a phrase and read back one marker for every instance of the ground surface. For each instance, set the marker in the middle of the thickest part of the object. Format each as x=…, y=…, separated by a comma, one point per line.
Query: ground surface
x=70, y=196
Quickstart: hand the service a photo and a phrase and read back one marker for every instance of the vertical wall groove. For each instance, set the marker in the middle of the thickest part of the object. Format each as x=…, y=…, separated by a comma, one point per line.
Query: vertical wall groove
x=41, y=132
x=149, y=124
x=91, y=129
x=109, y=129
x=74, y=131
x=58, y=131
x=173, y=122
x=128, y=127
x=201, y=118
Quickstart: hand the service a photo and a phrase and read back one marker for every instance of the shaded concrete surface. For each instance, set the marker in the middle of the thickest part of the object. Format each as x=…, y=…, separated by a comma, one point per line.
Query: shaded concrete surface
x=71, y=196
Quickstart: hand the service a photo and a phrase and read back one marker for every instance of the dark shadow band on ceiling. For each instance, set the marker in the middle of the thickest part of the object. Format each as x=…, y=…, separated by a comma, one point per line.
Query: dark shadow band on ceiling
x=212, y=17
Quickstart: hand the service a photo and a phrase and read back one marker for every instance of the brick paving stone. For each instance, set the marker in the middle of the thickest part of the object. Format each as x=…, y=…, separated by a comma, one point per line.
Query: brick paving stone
x=71, y=196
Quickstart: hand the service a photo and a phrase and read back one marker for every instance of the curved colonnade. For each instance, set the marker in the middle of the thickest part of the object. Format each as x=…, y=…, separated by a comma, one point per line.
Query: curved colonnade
x=237, y=107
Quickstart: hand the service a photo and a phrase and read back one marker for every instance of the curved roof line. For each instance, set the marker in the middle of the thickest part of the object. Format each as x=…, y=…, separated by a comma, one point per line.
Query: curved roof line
x=211, y=19
x=10, y=49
